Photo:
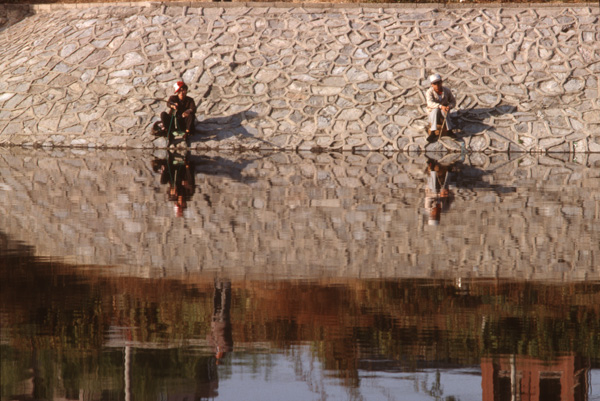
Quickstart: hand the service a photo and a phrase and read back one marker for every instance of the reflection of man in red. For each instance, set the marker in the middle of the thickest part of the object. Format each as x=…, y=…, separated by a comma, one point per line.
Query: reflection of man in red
x=221, y=336
x=179, y=173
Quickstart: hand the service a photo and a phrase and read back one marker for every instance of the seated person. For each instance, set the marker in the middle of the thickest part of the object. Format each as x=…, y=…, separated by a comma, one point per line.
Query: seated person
x=440, y=101
x=183, y=109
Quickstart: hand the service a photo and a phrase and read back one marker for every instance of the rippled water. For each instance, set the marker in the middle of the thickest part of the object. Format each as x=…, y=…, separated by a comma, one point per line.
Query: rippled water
x=298, y=277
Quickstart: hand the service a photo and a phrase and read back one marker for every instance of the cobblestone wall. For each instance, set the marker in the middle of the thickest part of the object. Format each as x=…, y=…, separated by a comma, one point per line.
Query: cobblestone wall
x=307, y=215
x=304, y=76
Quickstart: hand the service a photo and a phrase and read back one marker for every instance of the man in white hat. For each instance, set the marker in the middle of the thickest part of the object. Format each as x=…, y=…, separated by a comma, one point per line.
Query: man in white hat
x=440, y=101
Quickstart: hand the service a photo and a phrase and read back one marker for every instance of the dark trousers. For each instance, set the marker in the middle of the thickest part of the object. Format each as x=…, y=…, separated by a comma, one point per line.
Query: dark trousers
x=180, y=123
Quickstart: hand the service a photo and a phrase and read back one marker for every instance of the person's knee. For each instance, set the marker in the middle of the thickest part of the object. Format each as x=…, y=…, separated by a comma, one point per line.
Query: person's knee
x=165, y=118
x=190, y=122
x=434, y=117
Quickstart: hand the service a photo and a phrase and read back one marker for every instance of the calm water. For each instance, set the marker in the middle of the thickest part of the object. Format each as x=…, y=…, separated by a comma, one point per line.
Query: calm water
x=136, y=276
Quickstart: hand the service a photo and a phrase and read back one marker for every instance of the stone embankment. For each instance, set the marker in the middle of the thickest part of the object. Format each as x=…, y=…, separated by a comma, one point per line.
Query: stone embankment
x=302, y=76
x=306, y=215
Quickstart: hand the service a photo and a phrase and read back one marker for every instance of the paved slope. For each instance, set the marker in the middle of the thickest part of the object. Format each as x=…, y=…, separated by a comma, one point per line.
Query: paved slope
x=299, y=77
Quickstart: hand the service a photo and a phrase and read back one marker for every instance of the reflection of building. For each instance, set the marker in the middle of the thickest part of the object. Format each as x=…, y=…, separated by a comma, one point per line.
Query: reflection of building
x=521, y=378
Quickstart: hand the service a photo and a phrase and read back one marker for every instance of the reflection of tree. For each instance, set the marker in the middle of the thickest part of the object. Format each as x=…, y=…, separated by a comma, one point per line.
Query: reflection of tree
x=50, y=309
x=435, y=389
x=221, y=336
x=174, y=374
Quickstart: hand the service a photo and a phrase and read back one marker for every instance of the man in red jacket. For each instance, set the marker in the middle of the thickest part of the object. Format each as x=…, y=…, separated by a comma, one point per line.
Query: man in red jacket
x=181, y=114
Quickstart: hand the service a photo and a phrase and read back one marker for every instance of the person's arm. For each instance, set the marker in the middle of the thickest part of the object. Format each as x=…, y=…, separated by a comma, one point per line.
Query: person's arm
x=451, y=99
x=172, y=103
x=432, y=102
x=190, y=107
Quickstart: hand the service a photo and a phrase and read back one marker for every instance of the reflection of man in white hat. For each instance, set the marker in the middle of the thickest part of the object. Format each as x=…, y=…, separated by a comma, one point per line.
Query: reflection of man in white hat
x=434, y=207
x=440, y=101
x=437, y=193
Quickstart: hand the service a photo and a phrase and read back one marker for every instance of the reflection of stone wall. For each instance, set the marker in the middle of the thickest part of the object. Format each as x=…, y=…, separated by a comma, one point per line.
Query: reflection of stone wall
x=306, y=215
x=304, y=76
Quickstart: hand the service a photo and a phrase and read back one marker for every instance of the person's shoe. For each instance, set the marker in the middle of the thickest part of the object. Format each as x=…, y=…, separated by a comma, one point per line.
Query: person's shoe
x=186, y=138
x=432, y=137
x=450, y=134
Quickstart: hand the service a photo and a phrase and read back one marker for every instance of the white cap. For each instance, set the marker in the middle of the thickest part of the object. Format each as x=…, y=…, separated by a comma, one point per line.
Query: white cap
x=435, y=78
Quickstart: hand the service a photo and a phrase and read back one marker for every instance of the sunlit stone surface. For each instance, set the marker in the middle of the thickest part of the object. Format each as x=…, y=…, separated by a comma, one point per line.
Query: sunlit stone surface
x=302, y=77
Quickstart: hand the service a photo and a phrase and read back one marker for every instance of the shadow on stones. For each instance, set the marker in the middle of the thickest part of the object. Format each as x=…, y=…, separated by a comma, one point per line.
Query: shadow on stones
x=222, y=128
x=469, y=177
x=470, y=121
x=11, y=14
x=220, y=166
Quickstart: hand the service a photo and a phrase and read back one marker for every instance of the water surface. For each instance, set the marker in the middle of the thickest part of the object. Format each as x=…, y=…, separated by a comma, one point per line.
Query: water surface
x=298, y=277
